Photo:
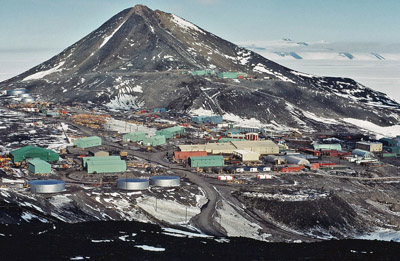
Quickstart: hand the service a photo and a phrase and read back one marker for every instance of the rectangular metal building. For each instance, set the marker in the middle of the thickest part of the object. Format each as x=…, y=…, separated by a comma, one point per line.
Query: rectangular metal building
x=172, y=132
x=134, y=136
x=184, y=155
x=208, y=119
x=87, y=142
x=318, y=146
x=265, y=147
x=38, y=166
x=108, y=164
x=30, y=152
x=232, y=75
x=206, y=161
x=247, y=155
x=154, y=140
x=369, y=146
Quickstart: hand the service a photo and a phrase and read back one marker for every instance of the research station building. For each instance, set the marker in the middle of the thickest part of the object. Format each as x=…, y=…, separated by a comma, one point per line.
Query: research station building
x=38, y=166
x=87, y=142
x=369, y=146
x=30, y=152
x=206, y=161
x=172, y=132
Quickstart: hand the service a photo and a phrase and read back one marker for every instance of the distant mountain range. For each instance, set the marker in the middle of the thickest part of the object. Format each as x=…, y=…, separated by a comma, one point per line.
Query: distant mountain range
x=290, y=49
x=140, y=58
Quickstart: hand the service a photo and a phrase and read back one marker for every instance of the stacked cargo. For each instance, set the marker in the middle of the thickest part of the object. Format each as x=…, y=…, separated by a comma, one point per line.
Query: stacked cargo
x=291, y=168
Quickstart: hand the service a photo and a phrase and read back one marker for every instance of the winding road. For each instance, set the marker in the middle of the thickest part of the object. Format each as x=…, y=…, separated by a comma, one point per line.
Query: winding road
x=202, y=221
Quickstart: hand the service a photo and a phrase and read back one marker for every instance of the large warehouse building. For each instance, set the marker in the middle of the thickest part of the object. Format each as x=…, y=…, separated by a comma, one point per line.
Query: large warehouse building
x=134, y=136
x=318, y=146
x=172, y=132
x=206, y=161
x=30, y=152
x=264, y=147
x=108, y=164
x=87, y=142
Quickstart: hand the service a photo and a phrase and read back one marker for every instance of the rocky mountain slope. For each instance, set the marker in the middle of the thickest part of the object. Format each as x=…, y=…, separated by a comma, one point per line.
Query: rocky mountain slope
x=137, y=59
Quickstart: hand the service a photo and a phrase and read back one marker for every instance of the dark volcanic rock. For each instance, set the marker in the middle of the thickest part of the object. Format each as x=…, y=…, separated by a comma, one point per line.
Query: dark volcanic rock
x=141, y=241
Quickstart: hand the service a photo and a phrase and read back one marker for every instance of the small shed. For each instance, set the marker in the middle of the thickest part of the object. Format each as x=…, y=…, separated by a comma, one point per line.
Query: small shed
x=38, y=166
x=98, y=153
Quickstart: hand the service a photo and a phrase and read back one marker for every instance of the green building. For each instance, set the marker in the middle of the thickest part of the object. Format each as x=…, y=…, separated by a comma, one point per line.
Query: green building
x=30, y=152
x=108, y=164
x=224, y=140
x=337, y=147
x=170, y=133
x=38, y=166
x=87, y=142
x=134, y=137
x=154, y=140
x=202, y=72
x=232, y=75
x=206, y=161
x=85, y=160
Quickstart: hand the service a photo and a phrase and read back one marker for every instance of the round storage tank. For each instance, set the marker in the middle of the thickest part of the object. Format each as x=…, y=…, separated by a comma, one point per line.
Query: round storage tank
x=15, y=92
x=27, y=100
x=165, y=181
x=47, y=186
x=133, y=184
x=24, y=95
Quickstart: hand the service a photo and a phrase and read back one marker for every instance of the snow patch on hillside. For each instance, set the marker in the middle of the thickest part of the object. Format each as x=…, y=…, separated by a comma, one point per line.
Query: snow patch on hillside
x=236, y=225
x=42, y=74
x=167, y=210
x=185, y=24
x=389, y=131
x=262, y=69
x=107, y=38
x=124, y=102
x=382, y=234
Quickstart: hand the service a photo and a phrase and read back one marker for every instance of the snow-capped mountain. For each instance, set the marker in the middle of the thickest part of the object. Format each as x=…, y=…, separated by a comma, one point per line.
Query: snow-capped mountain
x=139, y=58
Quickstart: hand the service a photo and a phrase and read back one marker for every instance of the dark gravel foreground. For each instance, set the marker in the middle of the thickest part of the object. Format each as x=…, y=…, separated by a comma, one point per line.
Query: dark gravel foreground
x=117, y=240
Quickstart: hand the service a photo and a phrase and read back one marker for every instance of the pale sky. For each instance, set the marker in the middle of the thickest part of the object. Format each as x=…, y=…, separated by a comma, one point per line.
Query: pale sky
x=33, y=24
